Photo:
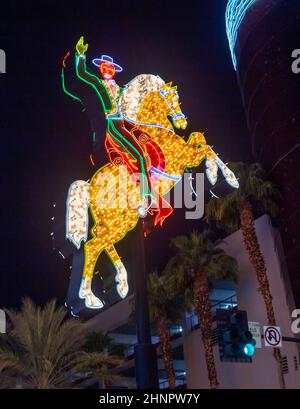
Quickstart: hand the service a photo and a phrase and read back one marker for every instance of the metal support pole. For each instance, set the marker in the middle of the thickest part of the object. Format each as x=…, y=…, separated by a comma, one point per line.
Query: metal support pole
x=145, y=352
x=290, y=339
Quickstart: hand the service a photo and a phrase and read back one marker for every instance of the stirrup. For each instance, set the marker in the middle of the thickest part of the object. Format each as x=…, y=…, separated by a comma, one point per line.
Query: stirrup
x=142, y=210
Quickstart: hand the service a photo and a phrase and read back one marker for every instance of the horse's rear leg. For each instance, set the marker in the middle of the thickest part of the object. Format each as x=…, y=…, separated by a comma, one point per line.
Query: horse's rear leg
x=92, y=250
x=121, y=273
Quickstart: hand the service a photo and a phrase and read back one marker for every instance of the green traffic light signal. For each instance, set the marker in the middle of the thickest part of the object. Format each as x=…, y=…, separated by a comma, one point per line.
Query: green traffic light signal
x=236, y=343
x=249, y=344
x=249, y=350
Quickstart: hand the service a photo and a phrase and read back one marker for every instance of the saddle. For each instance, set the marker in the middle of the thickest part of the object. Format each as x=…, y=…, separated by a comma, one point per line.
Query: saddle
x=153, y=154
x=154, y=158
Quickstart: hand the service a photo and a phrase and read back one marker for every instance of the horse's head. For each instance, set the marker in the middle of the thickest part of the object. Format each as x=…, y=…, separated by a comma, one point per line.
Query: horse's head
x=147, y=99
x=171, y=98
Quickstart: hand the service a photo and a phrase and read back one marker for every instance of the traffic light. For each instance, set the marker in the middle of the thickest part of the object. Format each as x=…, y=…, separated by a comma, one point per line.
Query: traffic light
x=236, y=343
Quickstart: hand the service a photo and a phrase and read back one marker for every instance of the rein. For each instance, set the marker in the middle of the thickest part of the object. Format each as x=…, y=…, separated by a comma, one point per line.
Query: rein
x=163, y=93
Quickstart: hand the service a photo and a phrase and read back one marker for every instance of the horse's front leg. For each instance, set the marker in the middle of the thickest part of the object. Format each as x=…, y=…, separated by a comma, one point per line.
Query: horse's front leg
x=211, y=165
x=197, y=143
x=213, y=162
x=121, y=273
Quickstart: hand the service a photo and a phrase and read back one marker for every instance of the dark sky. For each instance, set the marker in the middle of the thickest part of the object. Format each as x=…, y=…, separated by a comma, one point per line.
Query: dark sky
x=45, y=137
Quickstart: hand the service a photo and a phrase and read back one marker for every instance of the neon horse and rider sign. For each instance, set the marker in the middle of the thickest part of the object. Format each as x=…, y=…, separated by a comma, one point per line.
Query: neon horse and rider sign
x=146, y=159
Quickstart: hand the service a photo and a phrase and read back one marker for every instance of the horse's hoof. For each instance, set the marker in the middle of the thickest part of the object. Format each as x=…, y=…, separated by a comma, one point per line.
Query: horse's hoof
x=121, y=280
x=211, y=171
x=122, y=289
x=93, y=302
x=230, y=178
x=85, y=288
x=86, y=294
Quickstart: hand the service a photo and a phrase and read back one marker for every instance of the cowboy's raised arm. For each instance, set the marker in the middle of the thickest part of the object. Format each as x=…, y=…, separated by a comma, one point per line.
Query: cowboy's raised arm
x=81, y=70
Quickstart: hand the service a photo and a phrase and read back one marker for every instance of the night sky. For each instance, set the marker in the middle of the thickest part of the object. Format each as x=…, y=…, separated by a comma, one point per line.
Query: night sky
x=46, y=138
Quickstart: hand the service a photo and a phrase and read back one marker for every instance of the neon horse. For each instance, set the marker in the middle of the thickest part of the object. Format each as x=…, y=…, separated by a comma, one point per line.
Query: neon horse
x=147, y=102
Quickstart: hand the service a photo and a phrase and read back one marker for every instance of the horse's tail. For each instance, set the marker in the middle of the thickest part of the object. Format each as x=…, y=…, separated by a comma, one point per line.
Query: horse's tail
x=77, y=221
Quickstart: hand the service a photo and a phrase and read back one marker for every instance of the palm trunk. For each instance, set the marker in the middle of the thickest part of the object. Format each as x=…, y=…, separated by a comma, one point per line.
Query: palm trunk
x=107, y=384
x=258, y=263
x=203, y=308
x=166, y=348
x=102, y=384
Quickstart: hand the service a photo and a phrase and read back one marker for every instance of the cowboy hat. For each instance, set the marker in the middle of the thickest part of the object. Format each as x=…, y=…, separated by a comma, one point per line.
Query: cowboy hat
x=106, y=59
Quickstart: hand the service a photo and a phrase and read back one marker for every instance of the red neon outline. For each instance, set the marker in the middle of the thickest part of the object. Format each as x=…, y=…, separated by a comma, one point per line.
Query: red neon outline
x=64, y=59
x=91, y=159
x=113, y=150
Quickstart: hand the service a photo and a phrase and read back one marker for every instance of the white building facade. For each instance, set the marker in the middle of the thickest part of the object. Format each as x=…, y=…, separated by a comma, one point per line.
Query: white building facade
x=190, y=366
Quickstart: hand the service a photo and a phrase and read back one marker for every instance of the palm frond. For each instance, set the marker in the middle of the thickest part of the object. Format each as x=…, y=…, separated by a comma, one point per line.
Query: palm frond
x=199, y=252
x=97, y=341
x=254, y=187
x=42, y=345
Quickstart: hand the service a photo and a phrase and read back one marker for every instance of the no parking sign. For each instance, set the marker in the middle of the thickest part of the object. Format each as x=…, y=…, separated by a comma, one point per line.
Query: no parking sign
x=272, y=337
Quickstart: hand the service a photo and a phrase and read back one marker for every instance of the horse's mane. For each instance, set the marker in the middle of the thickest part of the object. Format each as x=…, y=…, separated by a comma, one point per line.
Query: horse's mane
x=135, y=91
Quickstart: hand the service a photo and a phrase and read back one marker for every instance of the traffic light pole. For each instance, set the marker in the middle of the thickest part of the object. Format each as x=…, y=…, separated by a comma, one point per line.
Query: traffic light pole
x=290, y=339
x=145, y=352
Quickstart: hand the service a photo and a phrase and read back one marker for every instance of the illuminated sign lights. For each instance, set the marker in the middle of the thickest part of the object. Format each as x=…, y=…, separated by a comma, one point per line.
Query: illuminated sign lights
x=147, y=102
x=108, y=60
x=234, y=15
x=77, y=212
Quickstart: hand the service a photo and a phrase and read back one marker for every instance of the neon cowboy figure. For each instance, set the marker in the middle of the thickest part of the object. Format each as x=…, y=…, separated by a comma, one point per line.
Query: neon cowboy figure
x=109, y=92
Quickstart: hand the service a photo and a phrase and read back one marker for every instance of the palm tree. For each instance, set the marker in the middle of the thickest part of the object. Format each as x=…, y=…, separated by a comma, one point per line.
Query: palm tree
x=97, y=341
x=43, y=348
x=235, y=211
x=165, y=306
x=198, y=261
x=99, y=366
x=100, y=358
